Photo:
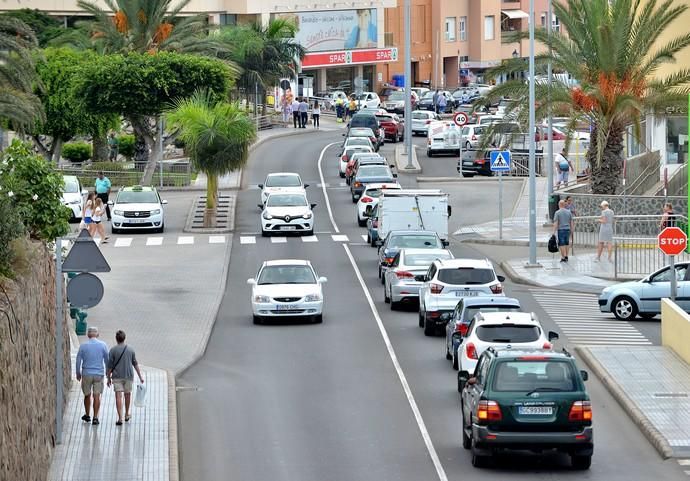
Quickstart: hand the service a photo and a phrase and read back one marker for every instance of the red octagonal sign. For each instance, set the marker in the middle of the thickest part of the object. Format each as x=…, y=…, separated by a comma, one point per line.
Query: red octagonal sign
x=672, y=241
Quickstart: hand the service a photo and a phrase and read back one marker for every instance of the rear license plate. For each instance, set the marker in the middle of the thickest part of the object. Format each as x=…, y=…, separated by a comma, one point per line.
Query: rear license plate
x=288, y=227
x=535, y=410
x=466, y=293
x=137, y=221
x=287, y=307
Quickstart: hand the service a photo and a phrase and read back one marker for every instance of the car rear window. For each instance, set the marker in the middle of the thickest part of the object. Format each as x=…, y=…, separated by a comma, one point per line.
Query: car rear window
x=528, y=375
x=415, y=241
x=283, y=181
x=466, y=275
x=471, y=311
x=417, y=115
x=507, y=333
x=364, y=121
x=424, y=260
x=358, y=141
x=373, y=171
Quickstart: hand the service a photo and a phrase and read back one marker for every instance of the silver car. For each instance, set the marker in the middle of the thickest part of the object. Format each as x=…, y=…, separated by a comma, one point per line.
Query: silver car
x=400, y=284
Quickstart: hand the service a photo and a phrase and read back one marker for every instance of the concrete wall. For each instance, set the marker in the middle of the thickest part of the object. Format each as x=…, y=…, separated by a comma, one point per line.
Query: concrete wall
x=588, y=204
x=27, y=369
x=675, y=329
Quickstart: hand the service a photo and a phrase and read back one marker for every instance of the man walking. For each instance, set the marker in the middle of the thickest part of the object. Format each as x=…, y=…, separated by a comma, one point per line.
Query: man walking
x=103, y=190
x=563, y=167
x=563, y=226
x=114, y=146
x=303, y=113
x=442, y=103
x=120, y=374
x=92, y=358
x=295, y=113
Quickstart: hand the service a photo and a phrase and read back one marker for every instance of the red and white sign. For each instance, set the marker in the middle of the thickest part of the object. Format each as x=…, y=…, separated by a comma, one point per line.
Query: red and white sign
x=672, y=241
x=460, y=119
x=349, y=57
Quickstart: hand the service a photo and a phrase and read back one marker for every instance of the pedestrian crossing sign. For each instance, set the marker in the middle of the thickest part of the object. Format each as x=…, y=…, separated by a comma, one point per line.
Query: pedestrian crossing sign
x=500, y=161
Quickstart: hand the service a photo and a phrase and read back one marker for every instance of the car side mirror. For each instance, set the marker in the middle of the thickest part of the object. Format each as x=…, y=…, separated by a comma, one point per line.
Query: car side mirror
x=312, y=205
x=553, y=336
x=306, y=185
x=251, y=281
x=260, y=206
x=322, y=280
x=463, y=378
x=585, y=375
x=164, y=202
x=450, y=211
x=457, y=336
x=343, y=135
x=392, y=166
x=84, y=192
x=445, y=243
x=261, y=186
x=420, y=278
x=501, y=278
x=111, y=203
x=395, y=176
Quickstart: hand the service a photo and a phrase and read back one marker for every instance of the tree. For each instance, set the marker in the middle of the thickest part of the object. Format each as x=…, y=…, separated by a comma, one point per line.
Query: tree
x=217, y=136
x=44, y=26
x=611, y=48
x=140, y=86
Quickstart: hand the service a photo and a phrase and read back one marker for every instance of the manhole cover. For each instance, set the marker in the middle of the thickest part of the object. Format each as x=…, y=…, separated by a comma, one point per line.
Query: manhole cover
x=670, y=394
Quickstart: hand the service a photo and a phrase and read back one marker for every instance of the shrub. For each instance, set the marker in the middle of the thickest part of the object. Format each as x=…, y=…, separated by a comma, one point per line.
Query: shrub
x=77, y=152
x=107, y=166
x=126, y=146
x=11, y=228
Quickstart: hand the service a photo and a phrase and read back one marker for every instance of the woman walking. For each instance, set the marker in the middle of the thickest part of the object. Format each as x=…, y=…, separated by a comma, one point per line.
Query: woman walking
x=605, y=231
x=98, y=212
x=88, y=213
x=668, y=218
x=316, y=114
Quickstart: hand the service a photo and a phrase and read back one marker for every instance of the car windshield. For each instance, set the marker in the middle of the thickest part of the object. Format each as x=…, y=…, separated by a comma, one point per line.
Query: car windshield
x=418, y=115
x=71, y=185
x=283, y=181
x=384, y=118
x=512, y=333
x=358, y=141
x=465, y=276
x=415, y=241
x=471, y=311
x=137, y=197
x=534, y=375
x=373, y=171
x=286, y=200
x=286, y=275
x=428, y=95
x=424, y=260
x=363, y=97
x=397, y=96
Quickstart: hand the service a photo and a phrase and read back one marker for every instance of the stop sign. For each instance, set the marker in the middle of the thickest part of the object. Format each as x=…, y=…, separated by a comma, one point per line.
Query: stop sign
x=672, y=241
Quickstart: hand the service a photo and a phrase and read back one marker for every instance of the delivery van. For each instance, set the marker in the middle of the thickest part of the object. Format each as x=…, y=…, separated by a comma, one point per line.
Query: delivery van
x=413, y=209
x=443, y=138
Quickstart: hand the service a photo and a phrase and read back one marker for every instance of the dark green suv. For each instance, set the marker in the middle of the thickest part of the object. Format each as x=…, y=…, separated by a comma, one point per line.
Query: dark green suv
x=526, y=400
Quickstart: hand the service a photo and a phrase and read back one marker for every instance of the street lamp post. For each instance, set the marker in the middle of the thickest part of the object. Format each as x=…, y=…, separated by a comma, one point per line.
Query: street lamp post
x=549, y=151
x=532, y=171
x=408, y=86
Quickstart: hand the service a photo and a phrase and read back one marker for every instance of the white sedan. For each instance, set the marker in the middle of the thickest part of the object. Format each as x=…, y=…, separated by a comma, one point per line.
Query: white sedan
x=281, y=182
x=287, y=289
x=370, y=199
x=287, y=212
x=421, y=120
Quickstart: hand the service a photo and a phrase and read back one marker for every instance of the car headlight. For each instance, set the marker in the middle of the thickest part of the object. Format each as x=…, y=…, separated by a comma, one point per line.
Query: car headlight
x=262, y=299
x=155, y=212
x=312, y=297
x=118, y=212
x=267, y=216
x=307, y=215
x=75, y=202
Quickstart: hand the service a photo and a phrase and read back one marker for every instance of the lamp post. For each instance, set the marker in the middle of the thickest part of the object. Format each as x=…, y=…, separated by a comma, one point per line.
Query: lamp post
x=549, y=150
x=408, y=86
x=532, y=171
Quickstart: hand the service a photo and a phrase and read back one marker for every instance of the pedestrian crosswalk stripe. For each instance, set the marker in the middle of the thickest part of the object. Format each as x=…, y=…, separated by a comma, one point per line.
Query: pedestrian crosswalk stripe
x=279, y=240
x=339, y=238
x=185, y=240
x=684, y=462
x=154, y=241
x=247, y=239
x=364, y=238
x=216, y=239
x=310, y=238
x=123, y=242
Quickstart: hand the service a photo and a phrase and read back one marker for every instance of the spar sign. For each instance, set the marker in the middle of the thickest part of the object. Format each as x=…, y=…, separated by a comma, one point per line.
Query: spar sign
x=672, y=241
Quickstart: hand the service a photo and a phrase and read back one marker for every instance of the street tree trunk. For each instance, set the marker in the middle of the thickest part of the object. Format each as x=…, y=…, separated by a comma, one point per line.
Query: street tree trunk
x=51, y=152
x=100, y=148
x=606, y=175
x=211, y=200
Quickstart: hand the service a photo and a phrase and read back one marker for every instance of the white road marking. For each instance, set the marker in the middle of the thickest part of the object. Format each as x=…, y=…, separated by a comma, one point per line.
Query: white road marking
x=123, y=242
x=343, y=184
x=216, y=239
x=310, y=238
x=401, y=375
x=684, y=462
x=279, y=240
x=323, y=187
x=185, y=240
x=340, y=238
x=247, y=239
x=154, y=241
x=364, y=237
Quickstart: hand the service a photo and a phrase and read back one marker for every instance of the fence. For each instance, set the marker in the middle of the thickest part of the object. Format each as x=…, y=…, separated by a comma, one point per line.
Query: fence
x=174, y=174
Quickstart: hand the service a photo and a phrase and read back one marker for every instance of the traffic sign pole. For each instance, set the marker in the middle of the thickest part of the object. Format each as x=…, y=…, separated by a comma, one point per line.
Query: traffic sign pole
x=672, y=262
x=500, y=205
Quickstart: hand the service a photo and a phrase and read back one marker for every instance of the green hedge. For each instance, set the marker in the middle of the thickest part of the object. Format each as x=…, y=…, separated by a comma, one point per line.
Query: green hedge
x=126, y=146
x=76, y=152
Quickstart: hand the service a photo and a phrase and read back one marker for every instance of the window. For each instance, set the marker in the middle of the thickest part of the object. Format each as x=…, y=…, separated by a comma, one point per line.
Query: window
x=525, y=376
x=555, y=23
x=489, y=27
x=463, y=29
x=466, y=276
x=228, y=19
x=510, y=333
x=450, y=29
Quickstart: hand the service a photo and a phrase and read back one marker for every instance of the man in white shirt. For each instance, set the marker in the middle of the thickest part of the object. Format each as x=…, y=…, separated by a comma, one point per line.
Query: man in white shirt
x=562, y=167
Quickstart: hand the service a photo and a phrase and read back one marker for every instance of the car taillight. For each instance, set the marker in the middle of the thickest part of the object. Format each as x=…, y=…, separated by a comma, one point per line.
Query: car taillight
x=461, y=328
x=481, y=161
x=358, y=184
x=436, y=288
x=366, y=200
x=489, y=411
x=496, y=288
x=404, y=275
x=428, y=122
x=580, y=411
x=471, y=351
x=547, y=345
x=388, y=260
x=474, y=137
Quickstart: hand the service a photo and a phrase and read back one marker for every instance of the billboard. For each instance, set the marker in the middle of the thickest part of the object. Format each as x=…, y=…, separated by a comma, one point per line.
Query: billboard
x=335, y=30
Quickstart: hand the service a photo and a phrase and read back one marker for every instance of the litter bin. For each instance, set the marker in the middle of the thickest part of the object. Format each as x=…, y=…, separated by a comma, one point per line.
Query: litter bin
x=553, y=204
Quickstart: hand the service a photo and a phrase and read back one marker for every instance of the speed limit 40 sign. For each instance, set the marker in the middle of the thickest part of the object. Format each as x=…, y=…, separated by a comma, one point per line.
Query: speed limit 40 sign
x=460, y=119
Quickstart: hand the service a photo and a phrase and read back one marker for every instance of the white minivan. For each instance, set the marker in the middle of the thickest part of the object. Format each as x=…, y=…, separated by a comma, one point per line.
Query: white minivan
x=443, y=138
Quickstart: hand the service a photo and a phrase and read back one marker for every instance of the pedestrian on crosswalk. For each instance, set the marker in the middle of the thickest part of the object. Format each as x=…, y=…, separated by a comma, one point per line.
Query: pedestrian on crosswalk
x=562, y=227
x=605, y=231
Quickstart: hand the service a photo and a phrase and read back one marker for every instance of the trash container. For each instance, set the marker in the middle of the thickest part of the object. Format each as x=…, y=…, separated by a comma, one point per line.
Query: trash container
x=80, y=326
x=553, y=204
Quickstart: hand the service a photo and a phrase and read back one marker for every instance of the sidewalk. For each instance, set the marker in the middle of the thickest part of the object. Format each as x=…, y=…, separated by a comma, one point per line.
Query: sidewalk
x=652, y=384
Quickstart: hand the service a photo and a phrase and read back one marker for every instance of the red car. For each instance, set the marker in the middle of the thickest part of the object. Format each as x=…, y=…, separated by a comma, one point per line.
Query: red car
x=393, y=126
x=542, y=134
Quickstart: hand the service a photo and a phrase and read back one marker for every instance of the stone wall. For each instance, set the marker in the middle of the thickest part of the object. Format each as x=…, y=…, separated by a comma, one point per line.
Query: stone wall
x=588, y=204
x=27, y=369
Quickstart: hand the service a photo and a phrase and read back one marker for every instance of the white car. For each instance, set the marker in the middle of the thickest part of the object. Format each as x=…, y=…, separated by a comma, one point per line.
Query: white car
x=448, y=281
x=421, y=120
x=73, y=196
x=472, y=136
x=281, y=182
x=347, y=155
x=400, y=283
x=287, y=212
x=368, y=100
x=370, y=198
x=443, y=138
x=137, y=208
x=287, y=289
x=512, y=330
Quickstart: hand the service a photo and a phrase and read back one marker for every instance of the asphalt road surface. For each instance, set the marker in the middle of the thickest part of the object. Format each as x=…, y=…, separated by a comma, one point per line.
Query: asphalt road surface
x=364, y=396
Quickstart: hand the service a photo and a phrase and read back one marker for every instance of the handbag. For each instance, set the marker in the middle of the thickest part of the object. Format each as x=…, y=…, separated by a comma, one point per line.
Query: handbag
x=553, y=244
x=140, y=396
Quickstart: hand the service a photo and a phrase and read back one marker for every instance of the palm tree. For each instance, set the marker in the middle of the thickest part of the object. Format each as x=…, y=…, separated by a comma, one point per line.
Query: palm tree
x=217, y=136
x=611, y=48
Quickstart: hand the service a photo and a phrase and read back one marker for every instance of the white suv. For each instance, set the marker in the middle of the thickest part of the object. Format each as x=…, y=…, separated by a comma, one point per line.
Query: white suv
x=519, y=330
x=448, y=281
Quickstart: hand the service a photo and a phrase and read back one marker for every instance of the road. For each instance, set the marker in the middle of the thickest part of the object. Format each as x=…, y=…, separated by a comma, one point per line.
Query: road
x=331, y=401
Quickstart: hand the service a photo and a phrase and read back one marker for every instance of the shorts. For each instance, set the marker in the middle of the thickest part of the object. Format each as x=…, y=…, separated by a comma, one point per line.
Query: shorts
x=122, y=385
x=89, y=383
x=97, y=222
x=563, y=176
x=87, y=220
x=563, y=237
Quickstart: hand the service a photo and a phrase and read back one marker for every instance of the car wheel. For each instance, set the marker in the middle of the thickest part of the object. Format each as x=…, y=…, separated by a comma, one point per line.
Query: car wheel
x=478, y=461
x=395, y=138
x=354, y=199
x=580, y=462
x=342, y=175
x=318, y=319
x=309, y=232
x=161, y=229
x=448, y=354
x=386, y=299
x=455, y=359
x=394, y=305
x=361, y=222
x=429, y=329
x=265, y=233
x=466, y=440
x=647, y=315
x=380, y=273
x=429, y=154
x=421, y=318
x=457, y=153
x=257, y=320
x=113, y=230
x=467, y=175
x=624, y=308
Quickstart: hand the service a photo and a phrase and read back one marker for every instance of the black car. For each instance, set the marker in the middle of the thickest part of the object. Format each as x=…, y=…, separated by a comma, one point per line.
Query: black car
x=368, y=120
x=400, y=239
x=475, y=162
x=368, y=174
x=526, y=400
x=427, y=101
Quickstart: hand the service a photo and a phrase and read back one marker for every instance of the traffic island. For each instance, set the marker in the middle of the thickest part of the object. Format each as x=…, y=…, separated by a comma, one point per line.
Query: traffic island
x=220, y=221
x=402, y=162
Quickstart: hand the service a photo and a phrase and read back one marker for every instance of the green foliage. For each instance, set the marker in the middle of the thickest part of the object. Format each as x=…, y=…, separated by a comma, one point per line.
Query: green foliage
x=35, y=191
x=126, y=145
x=44, y=26
x=11, y=228
x=142, y=85
x=77, y=152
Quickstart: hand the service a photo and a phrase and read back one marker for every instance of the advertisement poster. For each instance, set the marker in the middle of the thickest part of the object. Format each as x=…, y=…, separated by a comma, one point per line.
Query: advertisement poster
x=335, y=30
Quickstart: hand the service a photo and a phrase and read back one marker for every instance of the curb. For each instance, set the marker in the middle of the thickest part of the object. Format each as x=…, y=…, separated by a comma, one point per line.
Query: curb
x=637, y=416
x=497, y=242
x=514, y=276
x=464, y=179
x=210, y=230
x=401, y=169
x=173, y=448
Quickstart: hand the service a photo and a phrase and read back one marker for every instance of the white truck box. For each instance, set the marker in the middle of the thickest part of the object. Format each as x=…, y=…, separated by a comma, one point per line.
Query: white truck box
x=414, y=209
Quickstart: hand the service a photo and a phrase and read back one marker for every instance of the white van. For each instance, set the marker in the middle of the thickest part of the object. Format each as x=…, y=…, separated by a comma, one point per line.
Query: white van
x=73, y=196
x=413, y=209
x=443, y=138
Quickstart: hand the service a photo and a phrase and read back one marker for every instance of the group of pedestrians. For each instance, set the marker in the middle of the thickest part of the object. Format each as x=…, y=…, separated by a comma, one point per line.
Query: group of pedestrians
x=345, y=107
x=94, y=363
x=96, y=209
x=299, y=110
x=440, y=102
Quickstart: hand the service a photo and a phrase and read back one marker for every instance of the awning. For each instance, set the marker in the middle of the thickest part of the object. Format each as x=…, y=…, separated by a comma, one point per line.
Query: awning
x=515, y=14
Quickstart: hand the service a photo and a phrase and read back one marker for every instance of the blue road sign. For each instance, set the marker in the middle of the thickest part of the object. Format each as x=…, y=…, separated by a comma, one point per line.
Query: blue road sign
x=500, y=161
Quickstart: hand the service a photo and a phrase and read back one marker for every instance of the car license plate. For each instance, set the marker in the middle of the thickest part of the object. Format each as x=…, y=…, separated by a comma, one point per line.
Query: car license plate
x=466, y=293
x=137, y=221
x=287, y=307
x=288, y=227
x=535, y=410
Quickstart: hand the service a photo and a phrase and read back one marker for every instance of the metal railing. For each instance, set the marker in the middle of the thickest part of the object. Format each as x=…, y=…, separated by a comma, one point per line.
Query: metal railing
x=174, y=174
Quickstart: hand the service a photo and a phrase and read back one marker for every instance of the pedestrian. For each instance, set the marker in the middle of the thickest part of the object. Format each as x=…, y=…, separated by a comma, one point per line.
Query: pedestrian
x=316, y=114
x=465, y=97
x=103, y=186
x=339, y=108
x=442, y=103
x=303, y=113
x=563, y=166
x=352, y=108
x=98, y=228
x=92, y=358
x=87, y=212
x=295, y=113
x=121, y=360
x=286, y=108
x=434, y=101
x=114, y=146
x=668, y=218
x=605, y=231
x=563, y=226
x=570, y=205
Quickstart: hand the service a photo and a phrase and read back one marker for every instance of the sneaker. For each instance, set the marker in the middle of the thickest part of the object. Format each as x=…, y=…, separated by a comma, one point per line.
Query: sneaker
x=566, y=258
x=86, y=418
x=563, y=259
x=95, y=421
